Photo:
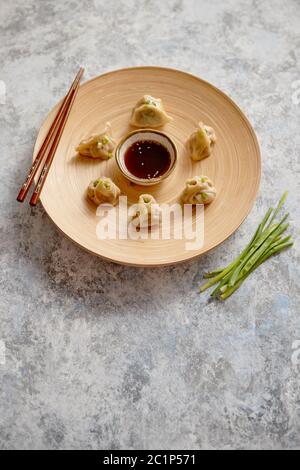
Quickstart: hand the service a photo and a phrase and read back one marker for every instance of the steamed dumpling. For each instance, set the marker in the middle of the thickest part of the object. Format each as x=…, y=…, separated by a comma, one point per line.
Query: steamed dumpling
x=198, y=190
x=147, y=212
x=99, y=145
x=149, y=112
x=103, y=191
x=200, y=142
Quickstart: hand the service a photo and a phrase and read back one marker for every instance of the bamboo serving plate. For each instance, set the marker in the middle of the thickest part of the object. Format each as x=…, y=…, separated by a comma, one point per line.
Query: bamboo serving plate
x=234, y=165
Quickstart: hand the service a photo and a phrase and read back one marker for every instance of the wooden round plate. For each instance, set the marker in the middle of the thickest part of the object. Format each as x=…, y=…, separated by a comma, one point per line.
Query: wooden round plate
x=234, y=165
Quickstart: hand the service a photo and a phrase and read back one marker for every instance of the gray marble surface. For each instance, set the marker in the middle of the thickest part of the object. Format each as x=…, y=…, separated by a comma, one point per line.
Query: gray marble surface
x=95, y=355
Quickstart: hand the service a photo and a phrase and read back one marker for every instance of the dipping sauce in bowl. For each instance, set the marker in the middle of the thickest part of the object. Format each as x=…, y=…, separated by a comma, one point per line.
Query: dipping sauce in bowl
x=146, y=156
x=147, y=159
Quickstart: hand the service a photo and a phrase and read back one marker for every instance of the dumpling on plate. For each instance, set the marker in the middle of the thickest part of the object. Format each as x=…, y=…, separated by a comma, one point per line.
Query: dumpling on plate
x=201, y=141
x=198, y=190
x=149, y=112
x=99, y=145
x=147, y=212
x=103, y=191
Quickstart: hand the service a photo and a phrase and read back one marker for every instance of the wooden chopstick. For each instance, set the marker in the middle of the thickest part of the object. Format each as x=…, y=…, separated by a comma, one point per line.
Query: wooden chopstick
x=46, y=167
x=54, y=126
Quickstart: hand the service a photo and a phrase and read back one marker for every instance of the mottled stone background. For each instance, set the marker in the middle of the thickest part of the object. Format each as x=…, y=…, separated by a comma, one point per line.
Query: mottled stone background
x=95, y=355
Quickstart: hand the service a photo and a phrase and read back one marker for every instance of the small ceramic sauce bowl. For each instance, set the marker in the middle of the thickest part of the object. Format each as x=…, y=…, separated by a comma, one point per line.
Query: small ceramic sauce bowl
x=156, y=146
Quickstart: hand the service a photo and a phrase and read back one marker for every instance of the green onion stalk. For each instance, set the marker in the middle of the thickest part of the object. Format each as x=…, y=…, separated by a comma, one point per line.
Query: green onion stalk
x=266, y=241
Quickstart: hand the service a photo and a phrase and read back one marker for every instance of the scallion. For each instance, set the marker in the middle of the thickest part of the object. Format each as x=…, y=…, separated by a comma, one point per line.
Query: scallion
x=266, y=242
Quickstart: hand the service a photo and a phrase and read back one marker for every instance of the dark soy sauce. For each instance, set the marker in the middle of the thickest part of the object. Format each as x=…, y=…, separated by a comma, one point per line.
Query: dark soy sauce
x=147, y=159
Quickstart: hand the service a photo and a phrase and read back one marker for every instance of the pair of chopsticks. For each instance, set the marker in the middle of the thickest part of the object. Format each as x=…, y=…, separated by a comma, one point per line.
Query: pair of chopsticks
x=53, y=136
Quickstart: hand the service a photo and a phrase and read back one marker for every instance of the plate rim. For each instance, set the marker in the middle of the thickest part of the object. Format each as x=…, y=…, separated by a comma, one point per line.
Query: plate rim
x=190, y=257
